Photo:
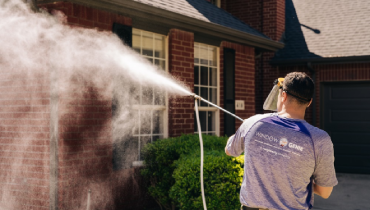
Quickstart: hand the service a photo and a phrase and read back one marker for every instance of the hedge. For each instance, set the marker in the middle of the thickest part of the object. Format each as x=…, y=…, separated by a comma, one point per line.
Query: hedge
x=172, y=169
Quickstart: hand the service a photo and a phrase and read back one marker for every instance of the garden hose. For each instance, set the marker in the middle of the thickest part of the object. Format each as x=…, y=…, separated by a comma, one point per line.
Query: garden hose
x=196, y=97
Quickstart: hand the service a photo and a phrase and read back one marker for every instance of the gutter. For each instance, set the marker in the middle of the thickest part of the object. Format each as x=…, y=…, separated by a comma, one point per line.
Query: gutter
x=321, y=60
x=148, y=15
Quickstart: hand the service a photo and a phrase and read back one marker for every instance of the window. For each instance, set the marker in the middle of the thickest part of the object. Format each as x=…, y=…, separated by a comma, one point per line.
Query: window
x=148, y=105
x=206, y=85
x=152, y=102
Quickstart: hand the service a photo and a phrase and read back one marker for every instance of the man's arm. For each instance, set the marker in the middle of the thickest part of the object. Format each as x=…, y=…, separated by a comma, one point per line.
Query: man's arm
x=324, y=192
x=227, y=153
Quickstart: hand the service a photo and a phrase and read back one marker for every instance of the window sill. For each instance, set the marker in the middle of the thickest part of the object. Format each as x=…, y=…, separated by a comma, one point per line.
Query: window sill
x=138, y=164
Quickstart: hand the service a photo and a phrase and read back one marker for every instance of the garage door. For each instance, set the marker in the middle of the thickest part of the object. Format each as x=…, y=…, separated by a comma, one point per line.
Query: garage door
x=345, y=115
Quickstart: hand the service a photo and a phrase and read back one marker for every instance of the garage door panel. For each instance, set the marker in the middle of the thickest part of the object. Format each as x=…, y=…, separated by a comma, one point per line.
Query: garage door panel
x=361, y=91
x=356, y=170
x=352, y=149
x=350, y=115
x=346, y=126
x=350, y=138
x=352, y=160
x=345, y=105
x=345, y=116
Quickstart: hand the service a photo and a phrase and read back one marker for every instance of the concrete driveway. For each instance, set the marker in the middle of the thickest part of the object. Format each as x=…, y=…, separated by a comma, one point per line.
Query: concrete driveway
x=351, y=193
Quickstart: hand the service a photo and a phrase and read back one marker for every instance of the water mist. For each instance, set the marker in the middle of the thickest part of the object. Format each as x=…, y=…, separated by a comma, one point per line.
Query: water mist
x=57, y=85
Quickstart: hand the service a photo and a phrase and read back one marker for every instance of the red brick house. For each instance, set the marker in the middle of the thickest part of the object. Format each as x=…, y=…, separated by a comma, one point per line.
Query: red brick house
x=227, y=51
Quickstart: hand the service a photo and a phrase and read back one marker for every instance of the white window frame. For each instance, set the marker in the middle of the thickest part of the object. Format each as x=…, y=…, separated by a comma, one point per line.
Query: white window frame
x=164, y=108
x=211, y=108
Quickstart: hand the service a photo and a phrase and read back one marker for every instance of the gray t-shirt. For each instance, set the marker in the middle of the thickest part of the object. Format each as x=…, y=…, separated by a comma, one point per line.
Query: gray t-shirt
x=282, y=158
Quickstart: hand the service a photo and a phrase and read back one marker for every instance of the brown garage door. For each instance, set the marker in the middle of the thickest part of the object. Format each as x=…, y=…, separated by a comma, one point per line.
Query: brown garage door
x=345, y=115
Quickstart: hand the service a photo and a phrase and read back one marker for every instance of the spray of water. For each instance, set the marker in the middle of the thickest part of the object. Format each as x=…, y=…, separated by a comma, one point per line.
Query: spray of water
x=61, y=81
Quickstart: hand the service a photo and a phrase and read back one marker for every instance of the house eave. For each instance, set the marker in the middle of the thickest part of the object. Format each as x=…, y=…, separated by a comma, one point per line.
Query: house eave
x=142, y=13
x=321, y=60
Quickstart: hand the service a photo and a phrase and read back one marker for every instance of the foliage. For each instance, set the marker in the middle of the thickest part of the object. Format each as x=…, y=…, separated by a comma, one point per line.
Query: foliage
x=222, y=181
x=180, y=154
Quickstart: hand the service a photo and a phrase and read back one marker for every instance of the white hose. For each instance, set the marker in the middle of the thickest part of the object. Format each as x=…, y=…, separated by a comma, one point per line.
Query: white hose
x=201, y=155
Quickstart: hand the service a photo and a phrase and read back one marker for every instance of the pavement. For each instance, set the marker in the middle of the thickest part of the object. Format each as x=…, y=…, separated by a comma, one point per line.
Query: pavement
x=351, y=193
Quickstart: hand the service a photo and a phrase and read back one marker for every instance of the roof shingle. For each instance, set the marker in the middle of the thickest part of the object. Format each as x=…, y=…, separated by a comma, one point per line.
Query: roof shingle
x=204, y=11
x=330, y=28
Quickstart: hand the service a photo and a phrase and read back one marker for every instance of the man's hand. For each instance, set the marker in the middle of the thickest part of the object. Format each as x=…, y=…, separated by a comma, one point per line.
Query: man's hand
x=227, y=153
x=324, y=192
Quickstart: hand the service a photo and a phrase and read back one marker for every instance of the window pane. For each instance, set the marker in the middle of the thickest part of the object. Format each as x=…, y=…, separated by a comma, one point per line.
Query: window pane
x=137, y=126
x=211, y=121
x=196, y=75
x=213, y=77
x=203, y=54
x=203, y=75
x=147, y=48
x=145, y=121
x=150, y=60
x=203, y=120
x=157, y=122
x=196, y=54
x=212, y=56
x=159, y=42
x=144, y=140
x=136, y=42
x=196, y=90
x=160, y=63
x=159, y=97
x=135, y=95
x=147, y=96
x=155, y=138
x=204, y=94
x=213, y=95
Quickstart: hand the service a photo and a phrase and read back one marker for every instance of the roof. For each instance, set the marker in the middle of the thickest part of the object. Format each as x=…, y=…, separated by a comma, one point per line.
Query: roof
x=325, y=29
x=204, y=11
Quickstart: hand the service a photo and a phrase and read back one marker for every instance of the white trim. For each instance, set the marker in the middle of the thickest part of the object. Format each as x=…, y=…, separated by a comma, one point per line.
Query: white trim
x=137, y=163
x=217, y=125
x=165, y=115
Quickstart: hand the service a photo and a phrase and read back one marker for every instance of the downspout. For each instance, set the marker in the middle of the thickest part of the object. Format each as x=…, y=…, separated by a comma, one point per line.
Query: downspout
x=313, y=76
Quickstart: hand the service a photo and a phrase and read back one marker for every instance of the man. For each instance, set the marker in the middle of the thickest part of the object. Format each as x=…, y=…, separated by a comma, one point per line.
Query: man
x=286, y=159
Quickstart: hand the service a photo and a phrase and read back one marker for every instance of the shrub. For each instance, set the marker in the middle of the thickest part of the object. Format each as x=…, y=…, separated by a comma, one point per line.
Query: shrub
x=164, y=156
x=222, y=181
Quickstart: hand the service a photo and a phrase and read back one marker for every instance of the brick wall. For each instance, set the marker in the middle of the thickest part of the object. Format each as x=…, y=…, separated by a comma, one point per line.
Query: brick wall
x=244, y=81
x=249, y=11
x=87, y=17
x=181, y=65
x=24, y=139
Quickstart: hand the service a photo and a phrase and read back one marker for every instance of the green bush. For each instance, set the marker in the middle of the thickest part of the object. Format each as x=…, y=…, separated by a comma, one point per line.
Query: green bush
x=222, y=181
x=163, y=157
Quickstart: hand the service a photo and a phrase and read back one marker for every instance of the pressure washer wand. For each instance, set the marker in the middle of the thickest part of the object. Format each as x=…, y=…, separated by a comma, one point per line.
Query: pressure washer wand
x=212, y=104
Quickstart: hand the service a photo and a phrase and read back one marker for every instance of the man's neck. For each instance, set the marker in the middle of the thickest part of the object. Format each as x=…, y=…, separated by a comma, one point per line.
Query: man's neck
x=292, y=113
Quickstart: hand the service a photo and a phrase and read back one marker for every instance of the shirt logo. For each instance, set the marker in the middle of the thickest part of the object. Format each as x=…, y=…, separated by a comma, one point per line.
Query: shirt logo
x=283, y=142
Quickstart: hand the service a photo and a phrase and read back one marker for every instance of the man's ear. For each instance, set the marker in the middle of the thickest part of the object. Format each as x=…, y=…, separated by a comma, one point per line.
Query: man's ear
x=310, y=102
x=284, y=96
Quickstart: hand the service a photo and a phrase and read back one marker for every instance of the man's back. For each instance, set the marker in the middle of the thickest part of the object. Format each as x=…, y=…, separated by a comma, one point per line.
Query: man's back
x=282, y=156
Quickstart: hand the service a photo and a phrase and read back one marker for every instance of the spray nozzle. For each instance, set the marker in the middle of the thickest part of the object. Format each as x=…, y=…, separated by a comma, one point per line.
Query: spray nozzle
x=196, y=96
